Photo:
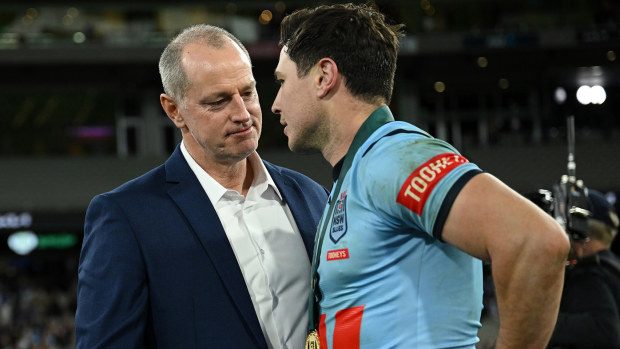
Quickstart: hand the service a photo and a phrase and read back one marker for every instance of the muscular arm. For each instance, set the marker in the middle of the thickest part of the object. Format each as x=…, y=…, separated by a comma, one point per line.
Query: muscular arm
x=527, y=250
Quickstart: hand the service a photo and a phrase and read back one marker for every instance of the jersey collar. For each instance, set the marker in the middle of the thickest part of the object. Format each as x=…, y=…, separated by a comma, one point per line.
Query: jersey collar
x=378, y=118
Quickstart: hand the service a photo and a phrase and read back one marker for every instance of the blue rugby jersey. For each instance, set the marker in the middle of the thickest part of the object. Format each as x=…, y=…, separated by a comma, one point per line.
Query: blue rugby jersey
x=387, y=279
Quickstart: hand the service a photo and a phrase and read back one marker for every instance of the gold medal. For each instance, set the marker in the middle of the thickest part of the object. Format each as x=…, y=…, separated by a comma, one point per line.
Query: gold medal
x=312, y=341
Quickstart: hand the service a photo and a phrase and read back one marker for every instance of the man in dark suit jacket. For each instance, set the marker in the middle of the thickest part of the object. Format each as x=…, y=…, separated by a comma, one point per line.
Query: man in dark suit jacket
x=164, y=263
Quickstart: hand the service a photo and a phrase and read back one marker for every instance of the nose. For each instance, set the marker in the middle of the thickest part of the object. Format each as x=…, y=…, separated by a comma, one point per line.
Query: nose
x=240, y=112
x=275, y=107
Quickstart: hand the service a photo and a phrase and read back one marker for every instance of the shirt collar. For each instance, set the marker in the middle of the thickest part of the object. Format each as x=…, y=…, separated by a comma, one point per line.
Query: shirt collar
x=262, y=179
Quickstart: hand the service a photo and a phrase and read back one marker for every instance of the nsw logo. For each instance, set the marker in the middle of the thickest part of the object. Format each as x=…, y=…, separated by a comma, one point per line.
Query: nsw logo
x=339, y=219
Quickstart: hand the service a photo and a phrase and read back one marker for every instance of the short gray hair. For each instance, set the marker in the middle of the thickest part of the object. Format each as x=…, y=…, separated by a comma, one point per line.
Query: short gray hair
x=173, y=77
x=603, y=232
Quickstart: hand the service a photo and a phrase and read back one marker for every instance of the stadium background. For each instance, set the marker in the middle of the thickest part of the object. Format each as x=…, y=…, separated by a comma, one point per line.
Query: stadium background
x=80, y=113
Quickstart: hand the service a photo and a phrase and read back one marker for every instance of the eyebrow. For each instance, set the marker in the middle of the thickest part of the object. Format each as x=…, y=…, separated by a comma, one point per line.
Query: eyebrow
x=250, y=86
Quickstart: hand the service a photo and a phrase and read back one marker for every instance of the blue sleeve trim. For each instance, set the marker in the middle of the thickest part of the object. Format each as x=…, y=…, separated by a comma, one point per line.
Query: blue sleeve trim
x=449, y=200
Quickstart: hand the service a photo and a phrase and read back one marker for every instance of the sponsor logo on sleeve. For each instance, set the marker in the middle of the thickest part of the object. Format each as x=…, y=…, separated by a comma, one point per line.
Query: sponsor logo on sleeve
x=419, y=185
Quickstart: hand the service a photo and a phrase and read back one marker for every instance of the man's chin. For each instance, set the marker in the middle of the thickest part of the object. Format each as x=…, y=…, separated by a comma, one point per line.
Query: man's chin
x=301, y=149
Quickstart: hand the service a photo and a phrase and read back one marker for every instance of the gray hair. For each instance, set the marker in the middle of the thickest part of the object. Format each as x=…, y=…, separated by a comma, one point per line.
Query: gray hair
x=603, y=232
x=173, y=77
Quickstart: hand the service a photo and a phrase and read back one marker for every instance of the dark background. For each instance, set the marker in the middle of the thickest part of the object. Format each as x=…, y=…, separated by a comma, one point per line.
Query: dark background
x=80, y=113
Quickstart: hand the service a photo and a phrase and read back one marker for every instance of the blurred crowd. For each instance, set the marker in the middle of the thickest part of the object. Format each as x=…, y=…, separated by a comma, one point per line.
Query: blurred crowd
x=37, y=311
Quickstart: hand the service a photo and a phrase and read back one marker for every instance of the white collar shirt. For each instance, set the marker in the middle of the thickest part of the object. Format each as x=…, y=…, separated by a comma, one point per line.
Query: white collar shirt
x=269, y=250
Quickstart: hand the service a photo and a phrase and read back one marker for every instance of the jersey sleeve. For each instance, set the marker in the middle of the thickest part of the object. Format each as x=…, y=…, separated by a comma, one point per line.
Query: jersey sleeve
x=413, y=181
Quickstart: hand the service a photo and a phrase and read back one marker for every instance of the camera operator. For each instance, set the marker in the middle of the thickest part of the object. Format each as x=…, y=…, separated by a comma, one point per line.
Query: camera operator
x=590, y=308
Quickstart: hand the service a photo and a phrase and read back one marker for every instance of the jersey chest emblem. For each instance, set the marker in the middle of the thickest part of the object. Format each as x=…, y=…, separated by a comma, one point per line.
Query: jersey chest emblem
x=339, y=219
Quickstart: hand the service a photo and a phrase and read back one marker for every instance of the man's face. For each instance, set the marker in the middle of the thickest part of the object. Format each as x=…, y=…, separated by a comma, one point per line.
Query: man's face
x=297, y=105
x=222, y=114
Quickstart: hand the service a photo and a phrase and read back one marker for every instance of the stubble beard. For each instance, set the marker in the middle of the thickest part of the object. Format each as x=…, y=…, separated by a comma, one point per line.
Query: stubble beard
x=310, y=140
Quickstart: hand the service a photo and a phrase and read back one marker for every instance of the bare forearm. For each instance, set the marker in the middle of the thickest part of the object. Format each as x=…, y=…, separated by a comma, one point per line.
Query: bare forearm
x=528, y=296
x=527, y=249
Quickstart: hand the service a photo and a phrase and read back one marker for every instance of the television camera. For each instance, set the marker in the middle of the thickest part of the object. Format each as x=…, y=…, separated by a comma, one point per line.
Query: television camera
x=568, y=200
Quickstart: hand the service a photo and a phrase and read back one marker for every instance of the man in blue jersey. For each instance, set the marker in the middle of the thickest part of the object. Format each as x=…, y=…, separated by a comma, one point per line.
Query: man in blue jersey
x=398, y=254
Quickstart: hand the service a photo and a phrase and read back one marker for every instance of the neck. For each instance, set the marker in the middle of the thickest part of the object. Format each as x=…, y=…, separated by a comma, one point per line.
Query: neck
x=231, y=174
x=237, y=177
x=347, y=118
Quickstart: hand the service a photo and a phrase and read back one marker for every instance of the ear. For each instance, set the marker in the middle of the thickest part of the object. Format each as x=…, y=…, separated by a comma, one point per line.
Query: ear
x=172, y=110
x=327, y=77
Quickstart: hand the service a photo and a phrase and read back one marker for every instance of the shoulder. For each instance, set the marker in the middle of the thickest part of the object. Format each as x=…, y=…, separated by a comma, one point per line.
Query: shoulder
x=404, y=143
x=599, y=268
x=152, y=178
x=611, y=264
x=392, y=134
x=400, y=149
x=137, y=189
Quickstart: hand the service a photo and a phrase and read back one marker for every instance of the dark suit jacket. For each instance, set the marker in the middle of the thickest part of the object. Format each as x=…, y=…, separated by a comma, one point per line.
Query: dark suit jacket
x=157, y=270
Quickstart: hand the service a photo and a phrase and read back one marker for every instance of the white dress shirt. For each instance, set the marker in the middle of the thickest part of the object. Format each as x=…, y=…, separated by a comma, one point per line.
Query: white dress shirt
x=269, y=250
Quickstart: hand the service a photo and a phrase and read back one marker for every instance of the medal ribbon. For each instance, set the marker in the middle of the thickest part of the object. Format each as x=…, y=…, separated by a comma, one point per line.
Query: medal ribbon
x=377, y=119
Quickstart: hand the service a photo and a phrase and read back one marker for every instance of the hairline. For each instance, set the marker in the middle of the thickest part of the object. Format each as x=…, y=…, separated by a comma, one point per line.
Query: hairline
x=201, y=34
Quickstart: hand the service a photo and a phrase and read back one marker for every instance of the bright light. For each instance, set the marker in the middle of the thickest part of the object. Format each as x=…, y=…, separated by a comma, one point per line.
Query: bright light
x=598, y=94
x=591, y=95
x=560, y=95
x=583, y=94
x=265, y=17
x=79, y=37
x=439, y=86
x=23, y=242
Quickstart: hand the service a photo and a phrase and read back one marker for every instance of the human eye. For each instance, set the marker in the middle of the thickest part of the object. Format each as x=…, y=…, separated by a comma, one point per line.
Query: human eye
x=216, y=104
x=249, y=94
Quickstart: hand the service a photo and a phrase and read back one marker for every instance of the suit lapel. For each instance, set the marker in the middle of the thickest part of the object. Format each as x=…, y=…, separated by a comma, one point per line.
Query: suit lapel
x=187, y=193
x=293, y=195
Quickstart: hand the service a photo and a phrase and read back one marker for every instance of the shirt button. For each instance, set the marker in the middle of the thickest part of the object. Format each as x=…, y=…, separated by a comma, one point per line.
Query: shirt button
x=262, y=251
